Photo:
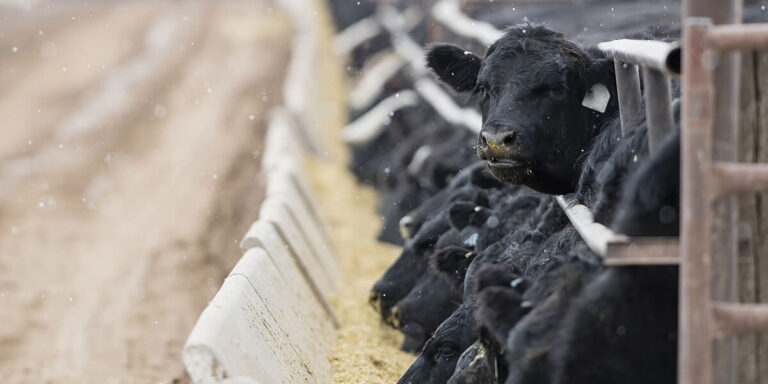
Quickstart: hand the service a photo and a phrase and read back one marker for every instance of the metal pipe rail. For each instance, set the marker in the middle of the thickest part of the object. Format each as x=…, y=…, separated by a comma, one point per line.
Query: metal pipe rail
x=659, y=55
x=738, y=37
x=449, y=14
x=617, y=249
x=392, y=21
x=659, y=60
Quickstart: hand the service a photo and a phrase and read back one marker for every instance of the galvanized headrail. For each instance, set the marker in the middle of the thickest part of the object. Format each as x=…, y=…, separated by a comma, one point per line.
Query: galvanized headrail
x=449, y=14
x=659, y=60
x=658, y=55
x=404, y=46
x=618, y=249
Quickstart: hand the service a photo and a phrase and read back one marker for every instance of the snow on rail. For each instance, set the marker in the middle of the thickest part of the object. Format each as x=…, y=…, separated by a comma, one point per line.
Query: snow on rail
x=448, y=13
x=394, y=23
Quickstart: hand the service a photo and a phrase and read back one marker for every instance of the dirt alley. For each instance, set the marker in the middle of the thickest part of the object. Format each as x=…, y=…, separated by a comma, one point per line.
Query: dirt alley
x=131, y=141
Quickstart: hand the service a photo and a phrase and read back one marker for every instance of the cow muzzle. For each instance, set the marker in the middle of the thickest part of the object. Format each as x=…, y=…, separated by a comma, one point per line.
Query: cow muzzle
x=498, y=145
x=406, y=227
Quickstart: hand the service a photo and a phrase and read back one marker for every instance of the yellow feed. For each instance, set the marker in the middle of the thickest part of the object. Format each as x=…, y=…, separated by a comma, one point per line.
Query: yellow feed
x=366, y=350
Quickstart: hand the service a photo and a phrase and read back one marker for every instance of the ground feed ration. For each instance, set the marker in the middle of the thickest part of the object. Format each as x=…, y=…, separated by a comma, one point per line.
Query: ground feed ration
x=366, y=350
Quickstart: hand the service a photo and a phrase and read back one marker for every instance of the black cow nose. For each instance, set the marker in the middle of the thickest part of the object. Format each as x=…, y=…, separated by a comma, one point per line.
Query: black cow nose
x=375, y=300
x=395, y=317
x=406, y=226
x=499, y=141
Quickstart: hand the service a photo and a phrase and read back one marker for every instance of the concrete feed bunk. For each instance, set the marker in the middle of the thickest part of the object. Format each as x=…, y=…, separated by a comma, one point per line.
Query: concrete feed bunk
x=294, y=309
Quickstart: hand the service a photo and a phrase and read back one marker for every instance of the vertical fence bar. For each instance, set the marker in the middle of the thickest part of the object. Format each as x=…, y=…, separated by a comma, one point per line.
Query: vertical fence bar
x=628, y=88
x=723, y=238
x=658, y=106
x=695, y=348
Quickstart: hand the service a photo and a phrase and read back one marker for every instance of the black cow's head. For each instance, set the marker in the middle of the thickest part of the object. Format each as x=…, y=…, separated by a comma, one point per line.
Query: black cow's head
x=419, y=313
x=437, y=360
x=541, y=98
x=470, y=184
x=401, y=276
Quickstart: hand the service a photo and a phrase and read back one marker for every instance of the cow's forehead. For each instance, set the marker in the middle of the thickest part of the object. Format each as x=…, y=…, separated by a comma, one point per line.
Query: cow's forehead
x=532, y=66
x=546, y=58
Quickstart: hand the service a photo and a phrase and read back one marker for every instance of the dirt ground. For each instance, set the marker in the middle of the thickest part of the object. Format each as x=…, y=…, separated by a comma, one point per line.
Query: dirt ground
x=131, y=140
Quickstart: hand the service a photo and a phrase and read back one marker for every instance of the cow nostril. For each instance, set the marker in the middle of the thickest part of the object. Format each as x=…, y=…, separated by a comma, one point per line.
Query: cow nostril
x=375, y=300
x=405, y=226
x=483, y=141
x=395, y=317
x=510, y=139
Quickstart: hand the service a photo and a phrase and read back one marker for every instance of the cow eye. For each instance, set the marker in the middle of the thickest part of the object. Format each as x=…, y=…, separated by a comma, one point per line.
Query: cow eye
x=446, y=352
x=558, y=91
x=481, y=90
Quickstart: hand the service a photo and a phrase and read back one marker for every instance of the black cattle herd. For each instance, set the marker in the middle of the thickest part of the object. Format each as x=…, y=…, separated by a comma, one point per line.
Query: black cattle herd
x=494, y=284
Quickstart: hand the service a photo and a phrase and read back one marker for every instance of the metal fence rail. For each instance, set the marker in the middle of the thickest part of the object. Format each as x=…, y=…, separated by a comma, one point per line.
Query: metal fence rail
x=395, y=23
x=658, y=60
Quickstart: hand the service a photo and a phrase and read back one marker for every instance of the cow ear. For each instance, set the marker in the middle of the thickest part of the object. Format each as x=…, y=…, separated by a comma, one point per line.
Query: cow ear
x=459, y=214
x=479, y=216
x=451, y=264
x=492, y=275
x=498, y=311
x=454, y=66
x=602, y=80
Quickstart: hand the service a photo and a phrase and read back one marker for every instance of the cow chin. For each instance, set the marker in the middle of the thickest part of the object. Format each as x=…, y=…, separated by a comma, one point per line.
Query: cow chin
x=511, y=175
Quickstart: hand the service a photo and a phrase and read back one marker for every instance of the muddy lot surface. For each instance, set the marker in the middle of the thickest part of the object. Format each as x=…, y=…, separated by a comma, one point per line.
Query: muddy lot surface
x=131, y=141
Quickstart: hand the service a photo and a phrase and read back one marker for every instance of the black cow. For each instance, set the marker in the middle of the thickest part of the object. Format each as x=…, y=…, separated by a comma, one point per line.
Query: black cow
x=529, y=69
x=432, y=220
x=419, y=313
x=650, y=201
x=533, y=256
x=422, y=170
x=499, y=309
x=469, y=184
x=436, y=295
x=533, y=85
x=430, y=169
x=438, y=358
x=401, y=276
x=623, y=327
x=434, y=298
x=476, y=365
x=370, y=160
x=439, y=290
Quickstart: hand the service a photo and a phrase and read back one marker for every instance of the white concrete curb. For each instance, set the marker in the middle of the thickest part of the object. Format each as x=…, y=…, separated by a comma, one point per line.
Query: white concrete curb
x=259, y=329
x=299, y=88
x=271, y=321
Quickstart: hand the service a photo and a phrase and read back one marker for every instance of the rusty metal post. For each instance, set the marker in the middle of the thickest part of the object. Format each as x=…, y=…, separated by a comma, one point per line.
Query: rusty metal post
x=745, y=37
x=723, y=238
x=628, y=88
x=695, y=350
x=658, y=107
